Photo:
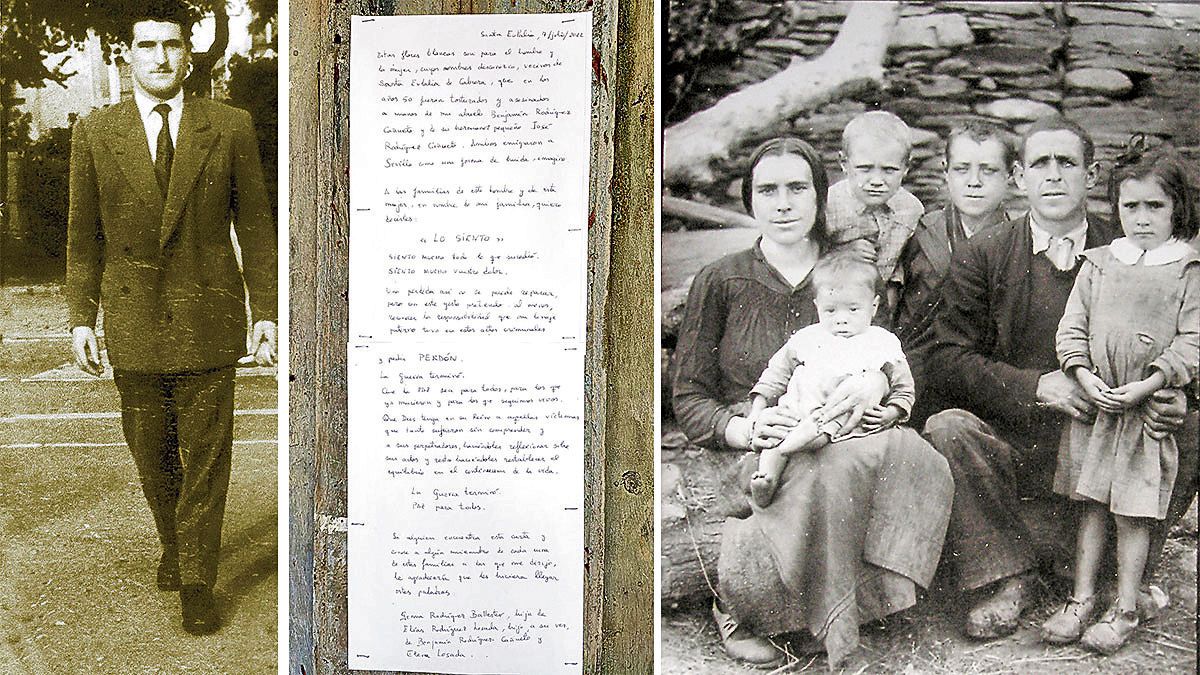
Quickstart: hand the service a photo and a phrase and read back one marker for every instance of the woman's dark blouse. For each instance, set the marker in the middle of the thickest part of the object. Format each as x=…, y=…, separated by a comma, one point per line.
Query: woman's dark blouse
x=739, y=312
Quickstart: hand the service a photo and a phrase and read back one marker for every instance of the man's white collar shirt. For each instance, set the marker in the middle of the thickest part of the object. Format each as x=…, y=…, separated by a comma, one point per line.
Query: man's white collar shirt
x=1042, y=241
x=152, y=121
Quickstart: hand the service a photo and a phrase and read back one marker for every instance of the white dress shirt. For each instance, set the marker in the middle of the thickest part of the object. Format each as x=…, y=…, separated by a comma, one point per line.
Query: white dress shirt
x=152, y=121
x=1064, y=259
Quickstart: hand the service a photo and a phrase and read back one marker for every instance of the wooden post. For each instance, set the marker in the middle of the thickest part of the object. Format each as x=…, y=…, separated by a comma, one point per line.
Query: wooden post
x=5, y=209
x=618, y=587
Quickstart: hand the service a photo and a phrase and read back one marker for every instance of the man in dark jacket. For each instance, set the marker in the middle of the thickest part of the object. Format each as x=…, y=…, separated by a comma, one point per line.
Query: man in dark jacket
x=155, y=183
x=994, y=356
x=979, y=158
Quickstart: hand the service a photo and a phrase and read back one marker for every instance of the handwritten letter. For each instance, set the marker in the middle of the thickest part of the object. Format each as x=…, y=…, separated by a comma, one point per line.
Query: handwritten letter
x=468, y=193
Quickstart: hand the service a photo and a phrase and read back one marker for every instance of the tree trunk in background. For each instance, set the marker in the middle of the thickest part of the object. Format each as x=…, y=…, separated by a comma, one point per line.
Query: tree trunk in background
x=707, y=136
x=199, y=82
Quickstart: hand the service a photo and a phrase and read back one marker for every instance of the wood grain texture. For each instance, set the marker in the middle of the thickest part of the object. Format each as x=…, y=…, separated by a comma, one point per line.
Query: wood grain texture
x=303, y=67
x=618, y=604
x=629, y=619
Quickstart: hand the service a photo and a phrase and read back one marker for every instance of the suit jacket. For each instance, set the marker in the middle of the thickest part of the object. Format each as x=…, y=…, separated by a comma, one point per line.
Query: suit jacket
x=165, y=268
x=985, y=302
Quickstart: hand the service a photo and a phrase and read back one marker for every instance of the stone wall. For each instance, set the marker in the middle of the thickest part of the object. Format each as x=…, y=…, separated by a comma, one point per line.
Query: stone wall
x=1118, y=68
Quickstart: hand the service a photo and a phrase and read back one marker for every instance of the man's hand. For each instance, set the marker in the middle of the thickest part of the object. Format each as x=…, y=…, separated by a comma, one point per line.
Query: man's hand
x=881, y=417
x=771, y=427
x=262, y=339
x=854, y=395
x=1164, y=412
x=86, y=350
x=1057, y=391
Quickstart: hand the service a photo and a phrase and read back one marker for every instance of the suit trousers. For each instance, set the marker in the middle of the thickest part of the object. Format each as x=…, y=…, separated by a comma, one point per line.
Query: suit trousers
x=179, y=427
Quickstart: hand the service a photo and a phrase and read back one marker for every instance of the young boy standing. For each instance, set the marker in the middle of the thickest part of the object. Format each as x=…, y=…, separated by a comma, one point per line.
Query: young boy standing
x=869, y=203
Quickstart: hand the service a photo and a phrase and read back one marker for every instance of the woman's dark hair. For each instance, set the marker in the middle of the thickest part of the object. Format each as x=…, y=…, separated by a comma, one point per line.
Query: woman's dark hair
x=1166, y=167
x=790, y=145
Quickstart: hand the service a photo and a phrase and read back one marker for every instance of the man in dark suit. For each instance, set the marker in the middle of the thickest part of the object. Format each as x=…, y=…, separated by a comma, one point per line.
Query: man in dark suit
x=156, y=182
x=994, y=356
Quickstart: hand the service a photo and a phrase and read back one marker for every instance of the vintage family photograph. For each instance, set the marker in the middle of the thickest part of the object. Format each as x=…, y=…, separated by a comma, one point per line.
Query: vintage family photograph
x=930, y=331
x=138, y=341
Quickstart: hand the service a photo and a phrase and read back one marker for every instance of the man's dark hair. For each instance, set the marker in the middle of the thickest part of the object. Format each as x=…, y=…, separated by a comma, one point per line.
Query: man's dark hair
x=1060, y=123
x=1165, y=166
x=980, y=130
x=168, y=11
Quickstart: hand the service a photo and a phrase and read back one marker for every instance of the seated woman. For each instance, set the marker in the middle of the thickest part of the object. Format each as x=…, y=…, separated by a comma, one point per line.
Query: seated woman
x=856, y=525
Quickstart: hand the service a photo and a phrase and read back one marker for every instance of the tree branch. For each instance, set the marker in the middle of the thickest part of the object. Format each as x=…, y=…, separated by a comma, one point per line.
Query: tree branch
x=705, y=213
x=691, y=146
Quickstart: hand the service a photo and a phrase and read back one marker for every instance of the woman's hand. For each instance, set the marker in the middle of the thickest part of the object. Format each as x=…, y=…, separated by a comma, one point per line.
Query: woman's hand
x=772, y=426
x=881, y=417
x=860, y=248
x=1164, y=413
x=854, y=395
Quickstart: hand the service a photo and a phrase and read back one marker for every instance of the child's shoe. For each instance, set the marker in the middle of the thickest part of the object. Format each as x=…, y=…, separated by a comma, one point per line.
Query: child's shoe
x=1067, y=624
x=1111, y=632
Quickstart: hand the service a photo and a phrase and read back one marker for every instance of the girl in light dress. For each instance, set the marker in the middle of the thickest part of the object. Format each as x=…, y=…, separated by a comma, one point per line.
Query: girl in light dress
x=1131, y=328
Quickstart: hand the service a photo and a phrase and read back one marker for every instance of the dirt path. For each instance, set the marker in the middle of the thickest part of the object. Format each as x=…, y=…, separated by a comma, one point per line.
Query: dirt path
x=926, y=639
x=77, y=545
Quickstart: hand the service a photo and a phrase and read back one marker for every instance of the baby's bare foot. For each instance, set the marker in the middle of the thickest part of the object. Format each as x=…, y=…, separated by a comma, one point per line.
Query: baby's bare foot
x=762, y=489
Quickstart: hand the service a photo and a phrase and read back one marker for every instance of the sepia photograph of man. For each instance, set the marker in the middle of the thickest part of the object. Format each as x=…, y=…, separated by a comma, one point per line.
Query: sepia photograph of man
x=166, y=298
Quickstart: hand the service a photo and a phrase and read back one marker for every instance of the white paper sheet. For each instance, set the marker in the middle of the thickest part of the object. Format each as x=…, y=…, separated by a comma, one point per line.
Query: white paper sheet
x=468, y=193
x=469, y=173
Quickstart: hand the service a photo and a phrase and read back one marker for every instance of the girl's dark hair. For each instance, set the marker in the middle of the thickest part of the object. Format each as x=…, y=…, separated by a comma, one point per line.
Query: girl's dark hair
x=790, y=145
x=1165, y=166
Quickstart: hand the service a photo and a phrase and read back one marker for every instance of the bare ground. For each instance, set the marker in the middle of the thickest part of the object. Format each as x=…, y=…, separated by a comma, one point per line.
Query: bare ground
x=77, y=546
x=927, y=640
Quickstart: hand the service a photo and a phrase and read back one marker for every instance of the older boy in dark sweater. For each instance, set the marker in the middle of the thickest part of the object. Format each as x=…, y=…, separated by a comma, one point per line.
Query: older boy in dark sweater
x=979, y=158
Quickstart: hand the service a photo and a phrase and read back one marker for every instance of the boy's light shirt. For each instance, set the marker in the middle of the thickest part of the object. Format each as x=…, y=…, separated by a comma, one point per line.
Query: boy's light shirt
x=824, y=356
x=889, y=226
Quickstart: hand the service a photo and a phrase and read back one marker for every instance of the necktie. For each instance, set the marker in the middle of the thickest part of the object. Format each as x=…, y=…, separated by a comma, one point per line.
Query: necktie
x=1062, y=253
x=165, y=151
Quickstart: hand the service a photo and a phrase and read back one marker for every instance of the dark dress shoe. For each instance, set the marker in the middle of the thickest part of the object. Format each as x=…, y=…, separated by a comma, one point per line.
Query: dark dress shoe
x=199, y=610
x=168, y=571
